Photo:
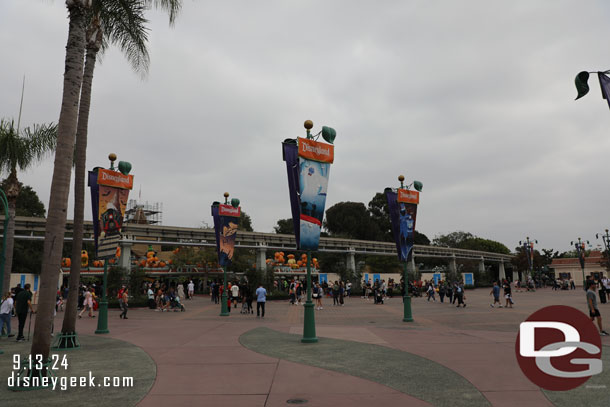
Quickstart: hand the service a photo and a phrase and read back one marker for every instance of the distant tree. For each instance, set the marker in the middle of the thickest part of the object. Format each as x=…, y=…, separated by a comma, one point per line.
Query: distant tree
x=453, y=239
x=380, y=214
x=484, y=245
x=245, y=222
x=284, y=226
x=27, y=257
x=421, y=239
x=351, y=220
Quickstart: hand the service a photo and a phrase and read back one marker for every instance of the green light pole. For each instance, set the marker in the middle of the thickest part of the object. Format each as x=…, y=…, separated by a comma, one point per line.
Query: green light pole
x=4, y=202
x=580, y=251
x=102, y=320
x=309, y=319
x=407, y=312
x=528, y=248
x=224, y=309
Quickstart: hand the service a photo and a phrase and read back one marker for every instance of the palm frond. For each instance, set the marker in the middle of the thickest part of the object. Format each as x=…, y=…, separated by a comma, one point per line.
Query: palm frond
x=171, y=6
x=41, y=139
x=123, y=24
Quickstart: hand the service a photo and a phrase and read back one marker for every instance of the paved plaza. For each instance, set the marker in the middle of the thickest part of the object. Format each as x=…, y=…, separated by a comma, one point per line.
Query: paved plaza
x=448, y=357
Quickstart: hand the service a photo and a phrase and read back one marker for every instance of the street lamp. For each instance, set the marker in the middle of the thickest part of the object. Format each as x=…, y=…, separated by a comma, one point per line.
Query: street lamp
x=109, y=192
x=528, y=247
x=225, y=228
x=402, y=205
x=308, y=163
x=580, y=251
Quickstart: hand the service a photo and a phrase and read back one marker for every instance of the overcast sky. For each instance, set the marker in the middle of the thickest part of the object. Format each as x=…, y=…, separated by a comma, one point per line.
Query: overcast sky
x=473, y=98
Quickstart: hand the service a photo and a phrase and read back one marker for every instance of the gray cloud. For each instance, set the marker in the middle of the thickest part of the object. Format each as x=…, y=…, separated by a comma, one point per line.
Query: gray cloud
x=473, y=98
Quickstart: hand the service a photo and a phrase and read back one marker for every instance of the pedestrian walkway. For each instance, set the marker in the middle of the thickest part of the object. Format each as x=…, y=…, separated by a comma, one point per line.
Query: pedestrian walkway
x=203, y=359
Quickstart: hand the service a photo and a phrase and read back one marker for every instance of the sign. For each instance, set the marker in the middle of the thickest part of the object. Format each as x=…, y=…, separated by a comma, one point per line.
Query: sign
x=402, y=218
x=408, y=196
x=114, y=179
x=558, y=348
x=308, y=166
x=468, y=278
x=226, y=222
x=109, y=194
x=316, y=151
x=437, y=278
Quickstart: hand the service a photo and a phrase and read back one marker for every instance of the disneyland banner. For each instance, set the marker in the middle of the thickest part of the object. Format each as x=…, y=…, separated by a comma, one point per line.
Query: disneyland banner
x=402, y=206
x=226, y=220
x=109, y=193
x=308, y=165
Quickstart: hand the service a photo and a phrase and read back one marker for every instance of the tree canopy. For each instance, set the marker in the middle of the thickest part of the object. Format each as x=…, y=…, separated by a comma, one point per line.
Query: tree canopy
x=284, y=226
x=466, y=240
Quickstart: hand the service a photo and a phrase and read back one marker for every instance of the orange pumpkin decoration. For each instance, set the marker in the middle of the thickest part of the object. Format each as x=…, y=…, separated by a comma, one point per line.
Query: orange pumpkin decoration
x=162, y=264
x=84, y=258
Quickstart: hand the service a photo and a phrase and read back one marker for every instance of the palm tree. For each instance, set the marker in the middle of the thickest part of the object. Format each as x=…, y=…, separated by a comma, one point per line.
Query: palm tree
x=60, y=184
x=20, y=149
x=121, y=23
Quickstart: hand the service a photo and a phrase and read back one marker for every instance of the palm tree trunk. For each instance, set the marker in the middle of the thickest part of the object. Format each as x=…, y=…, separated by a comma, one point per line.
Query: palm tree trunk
x=12, y=193
x=60, y=185
x=69, y=323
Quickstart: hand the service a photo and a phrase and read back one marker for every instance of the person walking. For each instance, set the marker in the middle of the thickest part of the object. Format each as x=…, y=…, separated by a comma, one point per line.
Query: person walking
x=180, y=290
x=459, y=293
x=508, y=295
x=449, y=292
x=124, y=301
x=191, y=289
x=6, y=310
x=261, y=299
x=431, y=292
x=593, y=310
x=87, y=303
x=336, y=294
x=495, y=291
x=455, y=292
x=235, y=294
x=441, y=291
x=23, y=302
x=316, y=294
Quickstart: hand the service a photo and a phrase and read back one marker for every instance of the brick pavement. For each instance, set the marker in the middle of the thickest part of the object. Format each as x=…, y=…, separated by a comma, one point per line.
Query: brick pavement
x=201, y=362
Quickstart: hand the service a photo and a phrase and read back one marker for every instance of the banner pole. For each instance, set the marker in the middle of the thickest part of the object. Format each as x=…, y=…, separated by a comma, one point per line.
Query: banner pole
x=102, y=320
x=407, y=317
x=309, y=322
x=224, y=310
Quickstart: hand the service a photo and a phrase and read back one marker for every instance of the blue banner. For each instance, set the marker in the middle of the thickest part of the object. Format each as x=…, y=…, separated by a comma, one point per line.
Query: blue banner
x=402, y=218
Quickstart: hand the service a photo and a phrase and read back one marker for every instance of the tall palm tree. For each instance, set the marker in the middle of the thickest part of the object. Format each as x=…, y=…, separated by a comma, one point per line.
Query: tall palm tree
x=122, y=23
x=20, y=149
x=127, y=22
x=60, y=184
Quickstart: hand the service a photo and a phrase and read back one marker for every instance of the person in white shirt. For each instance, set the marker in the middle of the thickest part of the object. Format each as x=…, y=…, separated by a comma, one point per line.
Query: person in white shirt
x=191, y=288
x=235, y=294
x=5, y=313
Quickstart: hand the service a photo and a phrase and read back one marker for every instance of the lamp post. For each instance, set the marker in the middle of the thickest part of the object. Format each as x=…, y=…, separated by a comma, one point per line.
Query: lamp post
x=580, y=251
x=606, y=240
x=410, y=230
x=4, y=203
x=528, y=248
x=224, y=310
x=107, y=185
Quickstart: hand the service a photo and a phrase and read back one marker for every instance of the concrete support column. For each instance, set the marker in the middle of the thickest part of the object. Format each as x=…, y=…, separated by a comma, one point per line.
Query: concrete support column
x=515, y=276
x=453, y=264
x=125, y=260
x=482, y=265
x=502, y=272
x=351, y=261
x=261, y=257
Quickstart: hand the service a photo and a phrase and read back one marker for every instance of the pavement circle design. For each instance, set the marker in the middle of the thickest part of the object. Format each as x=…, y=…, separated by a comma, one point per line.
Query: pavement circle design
x=402, y=371
x=102, y=356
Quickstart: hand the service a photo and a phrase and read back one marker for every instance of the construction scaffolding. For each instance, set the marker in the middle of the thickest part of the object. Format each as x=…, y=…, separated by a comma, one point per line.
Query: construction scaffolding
x=144, y=213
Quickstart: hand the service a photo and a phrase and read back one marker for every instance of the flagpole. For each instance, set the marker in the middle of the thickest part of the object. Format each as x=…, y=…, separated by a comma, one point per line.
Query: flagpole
x=309, y=321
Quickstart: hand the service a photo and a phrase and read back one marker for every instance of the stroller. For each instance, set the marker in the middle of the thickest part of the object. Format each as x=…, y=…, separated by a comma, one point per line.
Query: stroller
x=378, y=296
x=176, y=305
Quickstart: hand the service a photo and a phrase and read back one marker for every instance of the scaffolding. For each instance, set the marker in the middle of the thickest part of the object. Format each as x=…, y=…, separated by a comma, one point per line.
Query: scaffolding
x=144, y=213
